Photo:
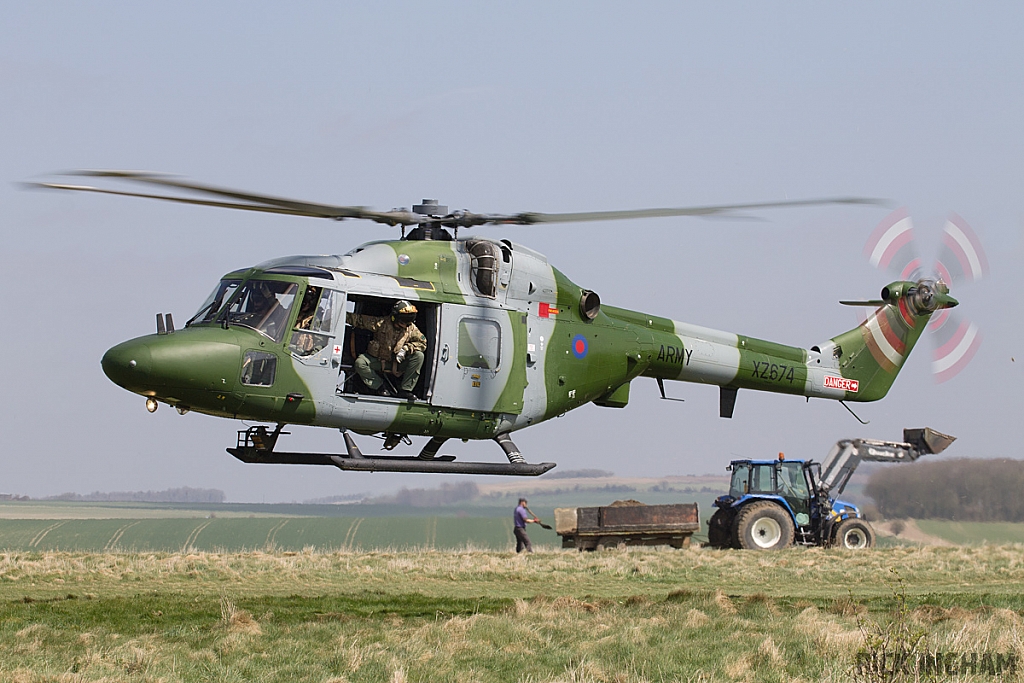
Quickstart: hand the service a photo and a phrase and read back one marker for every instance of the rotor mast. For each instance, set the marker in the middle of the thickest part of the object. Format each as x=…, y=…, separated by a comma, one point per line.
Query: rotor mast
x=430, y=230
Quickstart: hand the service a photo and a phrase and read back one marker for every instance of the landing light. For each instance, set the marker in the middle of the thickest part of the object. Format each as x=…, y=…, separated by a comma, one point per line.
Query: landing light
x=182, y=409
x=151, y=404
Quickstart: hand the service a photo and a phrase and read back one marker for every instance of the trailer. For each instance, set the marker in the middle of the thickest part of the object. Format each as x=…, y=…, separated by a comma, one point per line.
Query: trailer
x=626, y=523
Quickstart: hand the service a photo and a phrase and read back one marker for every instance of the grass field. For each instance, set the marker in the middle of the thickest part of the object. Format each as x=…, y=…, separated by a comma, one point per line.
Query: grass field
x=971, y=533
x=623, y=616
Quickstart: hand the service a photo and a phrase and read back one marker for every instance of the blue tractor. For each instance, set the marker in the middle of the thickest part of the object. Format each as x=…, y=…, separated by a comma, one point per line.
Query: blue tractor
x=774, y=504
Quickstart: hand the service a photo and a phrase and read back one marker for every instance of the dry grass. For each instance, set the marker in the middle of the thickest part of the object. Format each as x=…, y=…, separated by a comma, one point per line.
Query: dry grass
x=621, y=616
x=797, y=573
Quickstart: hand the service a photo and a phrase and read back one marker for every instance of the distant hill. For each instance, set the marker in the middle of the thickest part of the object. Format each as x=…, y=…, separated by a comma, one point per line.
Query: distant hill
x=578, y=474
x=337, y=500
x=447, y=494
x=183, y=494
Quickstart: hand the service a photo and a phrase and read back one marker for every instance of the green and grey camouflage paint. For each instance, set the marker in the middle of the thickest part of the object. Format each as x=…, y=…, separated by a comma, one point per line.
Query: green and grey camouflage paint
x=548, y=355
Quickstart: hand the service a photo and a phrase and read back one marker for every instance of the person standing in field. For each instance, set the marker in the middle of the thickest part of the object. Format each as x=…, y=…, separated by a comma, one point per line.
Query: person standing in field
x=521, y=517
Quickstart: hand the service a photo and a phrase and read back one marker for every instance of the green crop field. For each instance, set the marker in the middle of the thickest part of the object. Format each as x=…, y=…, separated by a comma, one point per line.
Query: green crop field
x=627, y=616
x=259, y=533
x=233, y=527
x=973, y=532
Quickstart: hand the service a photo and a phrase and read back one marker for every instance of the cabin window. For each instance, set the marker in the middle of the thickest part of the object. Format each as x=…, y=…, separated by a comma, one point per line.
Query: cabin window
x=792, y=482
x=479, y=343
x=314, y=322
x=740, y=481
x=761, y=480
x=263, y=305
x=259, y=369
x=221, y=293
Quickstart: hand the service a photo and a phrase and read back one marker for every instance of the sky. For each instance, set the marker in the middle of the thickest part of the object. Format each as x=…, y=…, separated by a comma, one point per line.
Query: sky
x=550, y=107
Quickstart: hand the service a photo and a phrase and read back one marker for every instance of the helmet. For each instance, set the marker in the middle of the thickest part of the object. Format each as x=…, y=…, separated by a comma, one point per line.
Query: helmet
x=403, y=312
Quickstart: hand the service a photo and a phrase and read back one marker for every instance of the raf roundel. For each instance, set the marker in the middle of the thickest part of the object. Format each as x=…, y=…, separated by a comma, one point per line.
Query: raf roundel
x=579, y=346
x=403, y=259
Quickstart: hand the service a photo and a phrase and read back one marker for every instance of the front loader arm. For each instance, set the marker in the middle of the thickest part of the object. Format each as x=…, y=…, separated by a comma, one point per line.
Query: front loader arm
x=841, y=462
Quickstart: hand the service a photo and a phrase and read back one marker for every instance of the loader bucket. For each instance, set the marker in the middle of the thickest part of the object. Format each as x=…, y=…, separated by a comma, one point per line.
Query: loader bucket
x=927, y=440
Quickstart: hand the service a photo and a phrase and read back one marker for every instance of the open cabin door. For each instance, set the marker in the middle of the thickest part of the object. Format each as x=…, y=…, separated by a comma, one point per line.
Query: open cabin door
x=481, y=363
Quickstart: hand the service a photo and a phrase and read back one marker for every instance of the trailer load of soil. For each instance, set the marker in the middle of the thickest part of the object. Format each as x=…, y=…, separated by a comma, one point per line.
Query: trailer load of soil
x=627, y=523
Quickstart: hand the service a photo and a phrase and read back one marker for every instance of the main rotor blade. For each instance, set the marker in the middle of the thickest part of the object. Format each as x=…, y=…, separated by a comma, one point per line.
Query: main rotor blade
x=531, y=218
x=182, y=200
x=259, y=202
x=250, y=201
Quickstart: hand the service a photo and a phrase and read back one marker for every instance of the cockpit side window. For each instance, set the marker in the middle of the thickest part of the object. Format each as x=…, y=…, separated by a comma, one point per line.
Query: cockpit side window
x=264, y=306
x=314, y=322
x=316, y=310
x=221, y=293
x=259, y=369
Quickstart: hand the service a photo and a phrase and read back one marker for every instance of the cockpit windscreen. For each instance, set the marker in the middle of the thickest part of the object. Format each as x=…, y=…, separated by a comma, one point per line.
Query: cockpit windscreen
x=221, y=293
x=263, y=305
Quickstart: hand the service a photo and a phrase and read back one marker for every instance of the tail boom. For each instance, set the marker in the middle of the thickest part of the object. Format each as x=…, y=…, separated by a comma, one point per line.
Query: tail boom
x=858, y=365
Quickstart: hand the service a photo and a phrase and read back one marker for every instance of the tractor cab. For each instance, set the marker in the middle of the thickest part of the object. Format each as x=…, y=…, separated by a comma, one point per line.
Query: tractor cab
x=789, y=482
x=775, y=503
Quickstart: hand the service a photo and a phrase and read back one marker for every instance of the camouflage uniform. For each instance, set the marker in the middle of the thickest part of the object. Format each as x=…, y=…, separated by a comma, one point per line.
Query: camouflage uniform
x=388, y=340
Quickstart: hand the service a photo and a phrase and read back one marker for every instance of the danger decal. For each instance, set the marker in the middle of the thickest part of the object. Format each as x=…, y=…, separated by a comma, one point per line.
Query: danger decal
x=833, y=382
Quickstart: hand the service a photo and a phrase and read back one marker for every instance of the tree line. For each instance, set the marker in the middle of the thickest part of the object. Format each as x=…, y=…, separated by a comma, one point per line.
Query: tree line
x=183, y=494
x=964, y=490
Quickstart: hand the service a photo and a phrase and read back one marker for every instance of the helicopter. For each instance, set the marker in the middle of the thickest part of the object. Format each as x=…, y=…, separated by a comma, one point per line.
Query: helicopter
x=509, y=340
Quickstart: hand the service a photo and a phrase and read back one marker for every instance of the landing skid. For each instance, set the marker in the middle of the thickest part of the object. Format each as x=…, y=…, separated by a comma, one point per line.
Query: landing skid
x=442, y=465
x=256, y=445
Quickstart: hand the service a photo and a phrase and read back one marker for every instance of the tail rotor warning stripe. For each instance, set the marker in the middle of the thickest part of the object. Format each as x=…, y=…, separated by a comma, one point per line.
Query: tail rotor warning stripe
x=951, y=357
x=912, y=269
x=882, y=341
x=892, y=234
x=959, y=237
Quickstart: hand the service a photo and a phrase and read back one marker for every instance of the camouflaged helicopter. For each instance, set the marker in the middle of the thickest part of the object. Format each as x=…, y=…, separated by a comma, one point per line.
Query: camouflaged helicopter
x=510, y=340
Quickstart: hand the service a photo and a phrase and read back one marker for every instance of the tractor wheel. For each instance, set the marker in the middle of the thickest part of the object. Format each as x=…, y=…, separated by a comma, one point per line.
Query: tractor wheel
x=763, y=526
x=720, y=528
x=854, y=534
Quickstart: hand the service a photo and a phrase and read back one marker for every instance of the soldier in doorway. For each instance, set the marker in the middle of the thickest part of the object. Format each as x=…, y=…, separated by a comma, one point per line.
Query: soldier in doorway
x=397, y=347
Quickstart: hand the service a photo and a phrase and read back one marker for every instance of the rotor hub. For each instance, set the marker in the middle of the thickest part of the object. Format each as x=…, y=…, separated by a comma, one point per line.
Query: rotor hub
x=929, y=296
x=430, y=207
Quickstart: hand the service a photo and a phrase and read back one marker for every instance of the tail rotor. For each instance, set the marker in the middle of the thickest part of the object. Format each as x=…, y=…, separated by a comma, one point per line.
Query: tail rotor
x=892, y=246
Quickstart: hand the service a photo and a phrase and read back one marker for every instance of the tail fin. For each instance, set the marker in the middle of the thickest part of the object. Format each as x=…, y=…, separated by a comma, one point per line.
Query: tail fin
x=874, y=352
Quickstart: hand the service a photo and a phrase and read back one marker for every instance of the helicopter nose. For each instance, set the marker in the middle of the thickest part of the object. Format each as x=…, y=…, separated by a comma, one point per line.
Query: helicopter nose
x=168, y=365
x=128, y=364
